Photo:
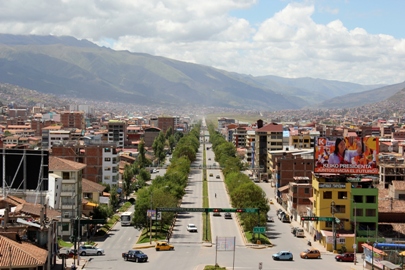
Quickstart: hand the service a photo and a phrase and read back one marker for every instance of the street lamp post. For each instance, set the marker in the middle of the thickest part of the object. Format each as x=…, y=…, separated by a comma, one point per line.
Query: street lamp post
x=332, y=206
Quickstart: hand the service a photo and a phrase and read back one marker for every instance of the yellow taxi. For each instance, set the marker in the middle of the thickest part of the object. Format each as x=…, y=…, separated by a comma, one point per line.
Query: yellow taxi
x=271, y=201
x=163, y=246
x=310, y=254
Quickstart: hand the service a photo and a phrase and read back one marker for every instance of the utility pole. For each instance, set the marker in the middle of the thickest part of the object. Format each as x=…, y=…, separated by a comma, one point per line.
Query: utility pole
x=332, y=209
x=355, y=229
x=150, y=220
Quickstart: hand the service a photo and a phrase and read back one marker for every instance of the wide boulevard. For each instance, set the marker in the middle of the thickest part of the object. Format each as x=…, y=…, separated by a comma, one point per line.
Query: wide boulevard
x=191, y=252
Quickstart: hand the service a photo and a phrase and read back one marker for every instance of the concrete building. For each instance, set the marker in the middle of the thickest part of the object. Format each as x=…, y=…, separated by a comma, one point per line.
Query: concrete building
x=164, y=123
x=267, y=138
x=73, y=119
x=65, y=191
x=117, y=132
x=102, y=159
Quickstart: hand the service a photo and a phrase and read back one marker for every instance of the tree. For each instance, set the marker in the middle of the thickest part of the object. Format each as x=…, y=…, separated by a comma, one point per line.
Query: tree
x=142, y=161
x=114, y=196
x=127, y=180
x=169, y=132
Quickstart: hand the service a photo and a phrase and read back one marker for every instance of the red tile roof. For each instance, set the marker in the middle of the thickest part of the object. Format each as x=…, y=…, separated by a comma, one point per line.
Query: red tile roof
x=272, y=127
x=20, y=255
x=60, y=164
x=90, y=186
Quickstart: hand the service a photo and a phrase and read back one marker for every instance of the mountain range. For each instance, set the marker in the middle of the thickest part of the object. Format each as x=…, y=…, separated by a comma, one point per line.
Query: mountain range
x=81, y=69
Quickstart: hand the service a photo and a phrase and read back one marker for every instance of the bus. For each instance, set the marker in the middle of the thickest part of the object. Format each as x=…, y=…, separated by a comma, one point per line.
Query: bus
x=126, y=218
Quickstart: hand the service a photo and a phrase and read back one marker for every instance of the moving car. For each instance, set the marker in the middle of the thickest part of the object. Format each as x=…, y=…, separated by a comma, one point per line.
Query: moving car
x=211, y=174
x=271, y=201
x=90, y=250
x=191, y=228
x=217, y=176
x=269, y=219
x=345, y=257
x=161, y=245
x=310, y=254
x=135, y=256
x=155, y=171
x=228, y=216
x=209, y=158
x=283, y=256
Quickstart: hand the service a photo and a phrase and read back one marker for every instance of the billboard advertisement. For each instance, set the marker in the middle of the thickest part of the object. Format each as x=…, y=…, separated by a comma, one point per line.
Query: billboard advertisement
x=346, y=155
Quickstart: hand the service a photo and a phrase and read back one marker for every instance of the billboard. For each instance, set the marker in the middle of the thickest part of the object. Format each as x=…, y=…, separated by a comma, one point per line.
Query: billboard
x=346, y=155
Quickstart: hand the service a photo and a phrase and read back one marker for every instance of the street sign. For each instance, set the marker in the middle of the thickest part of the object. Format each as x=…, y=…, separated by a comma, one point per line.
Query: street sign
x=325, y=219
x=259, y=229
x=158, y=216
x=233, y=210
x=309, y=218
x=90, y=221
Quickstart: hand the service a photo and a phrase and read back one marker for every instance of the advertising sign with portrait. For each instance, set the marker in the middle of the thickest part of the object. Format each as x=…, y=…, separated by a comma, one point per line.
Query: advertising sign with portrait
x=346, y=155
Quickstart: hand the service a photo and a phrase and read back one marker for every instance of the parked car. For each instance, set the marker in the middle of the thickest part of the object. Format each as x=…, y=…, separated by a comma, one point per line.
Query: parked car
x=299, y=232
x=345, y=257
x=191, y=228
x=281, y=215
x=283, y=256
x=135, y=256
x=310, y=254
x=228, y=216
x=217, y=176
x=65, y=253
x=294, y=230
x=155, y=171
x=211, y=174
x=209, y=158
x=286, y=218
x=161, y=245
x=90, y=250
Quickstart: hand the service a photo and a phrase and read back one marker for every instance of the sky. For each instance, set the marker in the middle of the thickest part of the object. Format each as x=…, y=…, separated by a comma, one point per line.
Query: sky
x=359, y=41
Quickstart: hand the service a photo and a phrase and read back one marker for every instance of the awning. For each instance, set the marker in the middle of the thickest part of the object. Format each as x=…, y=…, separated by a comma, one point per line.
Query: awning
x=311, y=199
x=91, y=204
x=283, y=188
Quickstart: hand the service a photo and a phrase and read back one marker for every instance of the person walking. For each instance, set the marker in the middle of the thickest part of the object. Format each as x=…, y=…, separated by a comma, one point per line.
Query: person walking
x=215, y=195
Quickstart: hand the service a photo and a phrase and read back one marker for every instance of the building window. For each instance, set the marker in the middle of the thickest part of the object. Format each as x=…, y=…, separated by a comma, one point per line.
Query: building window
x=65, y=227
x=340, y=208
x=358, y=212
x=370, y=199
x=401, y=196
x=327, y=194
x=65, y=175
x=358, y=199
x=306, y=190
x=342, y=195
x=107, y=150
x=370, y=212
x=107, y=159
x=328, y=224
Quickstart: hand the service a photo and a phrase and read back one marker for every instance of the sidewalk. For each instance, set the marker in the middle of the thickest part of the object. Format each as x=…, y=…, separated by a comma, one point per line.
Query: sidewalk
x=68, y=262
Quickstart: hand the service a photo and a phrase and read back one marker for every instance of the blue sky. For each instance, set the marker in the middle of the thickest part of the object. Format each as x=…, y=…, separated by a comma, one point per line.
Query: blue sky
x=375, y=16
x=360, y=41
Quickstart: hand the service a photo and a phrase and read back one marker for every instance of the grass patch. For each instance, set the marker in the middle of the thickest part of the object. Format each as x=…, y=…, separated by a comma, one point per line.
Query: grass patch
x=125, y=207
x=63, y=244
x=213, y=267
x=206, y=223
x=252, y=238
x=157, y=234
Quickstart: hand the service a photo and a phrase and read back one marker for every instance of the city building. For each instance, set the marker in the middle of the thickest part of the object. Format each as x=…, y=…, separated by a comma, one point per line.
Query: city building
x=72, y=119
x=117, y=132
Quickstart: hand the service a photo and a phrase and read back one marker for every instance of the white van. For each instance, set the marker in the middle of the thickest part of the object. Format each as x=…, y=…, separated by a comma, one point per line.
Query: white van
x=299, y=233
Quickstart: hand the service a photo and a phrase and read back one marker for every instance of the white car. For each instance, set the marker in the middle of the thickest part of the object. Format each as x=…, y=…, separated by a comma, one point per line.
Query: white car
x=90, y=250
x=155, y=171
x=191, y=228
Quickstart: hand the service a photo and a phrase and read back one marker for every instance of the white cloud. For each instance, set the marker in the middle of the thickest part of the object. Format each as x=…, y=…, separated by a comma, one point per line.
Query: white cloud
x=289, y=44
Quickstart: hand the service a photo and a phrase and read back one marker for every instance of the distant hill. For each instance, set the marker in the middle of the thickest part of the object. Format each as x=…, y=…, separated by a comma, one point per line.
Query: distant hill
x=390, y=92
x=79, y=68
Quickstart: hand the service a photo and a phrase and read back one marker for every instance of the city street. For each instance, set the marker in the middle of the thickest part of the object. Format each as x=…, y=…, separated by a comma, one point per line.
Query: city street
x=191, y=253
